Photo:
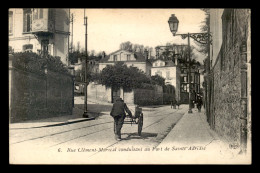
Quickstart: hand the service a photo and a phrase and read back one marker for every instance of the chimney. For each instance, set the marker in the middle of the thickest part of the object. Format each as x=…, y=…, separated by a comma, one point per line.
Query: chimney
x=146, y=54
x=176, y=60
x=103, y=55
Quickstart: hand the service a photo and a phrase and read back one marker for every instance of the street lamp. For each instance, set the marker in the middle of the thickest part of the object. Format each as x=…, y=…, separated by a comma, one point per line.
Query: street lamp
x=203, y=38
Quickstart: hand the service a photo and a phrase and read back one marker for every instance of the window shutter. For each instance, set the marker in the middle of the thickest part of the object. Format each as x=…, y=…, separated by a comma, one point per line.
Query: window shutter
x=41, y=13
x=24, y=22
x=10, y=22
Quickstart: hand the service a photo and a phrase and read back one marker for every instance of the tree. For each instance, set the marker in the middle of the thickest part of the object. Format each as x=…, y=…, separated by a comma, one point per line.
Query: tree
x=74, y=56
x=120, y=75
x=126, y=46
x=92, y=53
x=158, y=80
x=203, y=48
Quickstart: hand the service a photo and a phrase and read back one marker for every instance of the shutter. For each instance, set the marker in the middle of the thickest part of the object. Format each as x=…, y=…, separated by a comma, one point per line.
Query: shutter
x=24, y=21
x=10, y=22
x=41, y=13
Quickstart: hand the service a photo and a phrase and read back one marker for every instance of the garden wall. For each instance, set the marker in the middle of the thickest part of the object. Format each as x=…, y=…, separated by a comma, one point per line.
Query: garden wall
x=35, y=95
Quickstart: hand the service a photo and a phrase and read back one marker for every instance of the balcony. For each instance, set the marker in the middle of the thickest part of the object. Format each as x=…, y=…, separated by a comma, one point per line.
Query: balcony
x=42, y=27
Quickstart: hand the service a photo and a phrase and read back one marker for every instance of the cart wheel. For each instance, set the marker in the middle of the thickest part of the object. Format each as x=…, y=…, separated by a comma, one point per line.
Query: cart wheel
x=140, y=124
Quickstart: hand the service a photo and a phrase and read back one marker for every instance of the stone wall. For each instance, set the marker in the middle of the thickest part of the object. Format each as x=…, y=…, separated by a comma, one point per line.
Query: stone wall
x=38, y=95
x=99, y=92
x=136, y=96
x=144, y=97
x=226, y=78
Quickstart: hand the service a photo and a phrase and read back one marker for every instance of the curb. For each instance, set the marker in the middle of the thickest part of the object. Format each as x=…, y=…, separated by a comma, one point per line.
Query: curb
x=59, y=124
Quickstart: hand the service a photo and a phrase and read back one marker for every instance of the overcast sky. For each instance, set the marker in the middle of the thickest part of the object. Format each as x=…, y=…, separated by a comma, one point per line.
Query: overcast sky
x=107, y=28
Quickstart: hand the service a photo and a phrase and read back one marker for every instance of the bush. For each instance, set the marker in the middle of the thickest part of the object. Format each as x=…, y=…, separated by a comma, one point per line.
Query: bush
x=33, y=62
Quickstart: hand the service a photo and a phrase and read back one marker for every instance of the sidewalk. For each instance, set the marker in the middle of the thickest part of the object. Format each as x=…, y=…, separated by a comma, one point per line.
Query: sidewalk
x=95, y=109
x=193, y=142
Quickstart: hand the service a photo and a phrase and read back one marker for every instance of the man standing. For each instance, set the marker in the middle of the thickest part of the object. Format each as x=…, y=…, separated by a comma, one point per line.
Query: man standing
x=118, y=113
x=199, y=103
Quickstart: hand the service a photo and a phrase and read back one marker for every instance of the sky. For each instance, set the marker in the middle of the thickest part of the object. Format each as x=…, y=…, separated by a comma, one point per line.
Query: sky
x=107, y=28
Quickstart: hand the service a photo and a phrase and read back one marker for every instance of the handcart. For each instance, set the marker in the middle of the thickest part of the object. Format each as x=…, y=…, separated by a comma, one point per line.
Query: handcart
x=136, y=119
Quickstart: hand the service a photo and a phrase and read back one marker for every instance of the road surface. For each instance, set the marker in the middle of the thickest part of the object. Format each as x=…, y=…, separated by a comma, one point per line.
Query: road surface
x=92, y=139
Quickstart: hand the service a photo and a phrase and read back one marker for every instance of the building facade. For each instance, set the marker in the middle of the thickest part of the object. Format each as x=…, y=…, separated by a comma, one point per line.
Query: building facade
x=184, y=83
x=40, y=30
x=228, y=84
x=170, y=72
x=134, y=59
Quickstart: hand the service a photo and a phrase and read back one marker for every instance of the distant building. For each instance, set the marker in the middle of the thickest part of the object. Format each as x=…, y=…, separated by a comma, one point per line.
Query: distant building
x=134, y=59
x=40, y=30
x=184, y=82
x=170, y=72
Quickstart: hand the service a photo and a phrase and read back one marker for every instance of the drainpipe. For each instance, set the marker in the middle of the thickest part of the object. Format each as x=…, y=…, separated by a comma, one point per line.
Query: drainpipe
x=243, y=101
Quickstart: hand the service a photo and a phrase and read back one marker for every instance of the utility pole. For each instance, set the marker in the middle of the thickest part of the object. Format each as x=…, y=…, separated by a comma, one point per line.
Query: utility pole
x=189, y=78
x=72, y=19
x=86, y=67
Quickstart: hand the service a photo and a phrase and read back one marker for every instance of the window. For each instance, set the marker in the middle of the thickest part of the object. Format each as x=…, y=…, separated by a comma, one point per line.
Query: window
x=184, y=78
x=27, y=20
x=38, y=13
x=11, y=50
x=28, y=47
x=115, y=57
x=161, y=64
x=44, y=45
x=183, y=88
x=128, y=57
x=167, y=75
x=158, y=73
x=191, y=78
x=10, y=22
x=156, y=64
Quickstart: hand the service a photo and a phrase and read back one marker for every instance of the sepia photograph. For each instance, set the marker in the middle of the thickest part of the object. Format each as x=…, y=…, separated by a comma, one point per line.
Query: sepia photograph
x=136, y=86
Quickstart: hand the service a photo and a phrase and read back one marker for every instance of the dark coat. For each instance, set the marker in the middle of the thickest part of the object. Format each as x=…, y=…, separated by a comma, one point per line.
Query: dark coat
x=119, y=108
x=199, y=102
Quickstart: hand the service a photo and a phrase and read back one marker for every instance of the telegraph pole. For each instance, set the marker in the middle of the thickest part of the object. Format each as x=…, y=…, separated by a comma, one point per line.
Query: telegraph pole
x=86, y=67
x=72, y=19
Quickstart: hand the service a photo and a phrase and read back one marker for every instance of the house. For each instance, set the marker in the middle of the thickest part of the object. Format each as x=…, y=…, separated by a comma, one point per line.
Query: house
x=134, y=59
x=40, y=30
x=170, y=71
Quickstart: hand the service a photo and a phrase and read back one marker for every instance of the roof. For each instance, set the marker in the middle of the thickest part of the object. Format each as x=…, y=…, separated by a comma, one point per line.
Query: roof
x=168, y=63
x=103, y=60
x=138, y=56
x=94, y=58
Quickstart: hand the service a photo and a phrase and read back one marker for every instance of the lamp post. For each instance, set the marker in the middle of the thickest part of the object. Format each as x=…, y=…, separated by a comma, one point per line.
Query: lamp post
x=202, y=38
x=85, y=115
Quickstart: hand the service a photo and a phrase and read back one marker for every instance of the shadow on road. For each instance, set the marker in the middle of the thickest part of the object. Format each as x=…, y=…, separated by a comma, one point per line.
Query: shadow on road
x=144, y=135
x=97, y=108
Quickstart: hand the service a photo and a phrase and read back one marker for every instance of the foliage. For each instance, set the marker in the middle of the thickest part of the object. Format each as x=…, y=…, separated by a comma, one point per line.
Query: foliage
x=74, y=56
x=120, y=75
x=33, y=62
x=158, y=80
x=171, y=50
x=167, y=88
x=135, y=47
x=203, y=48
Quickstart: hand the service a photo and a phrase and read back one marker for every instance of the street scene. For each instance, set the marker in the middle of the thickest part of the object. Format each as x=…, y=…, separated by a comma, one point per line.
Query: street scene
x=87, y=86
